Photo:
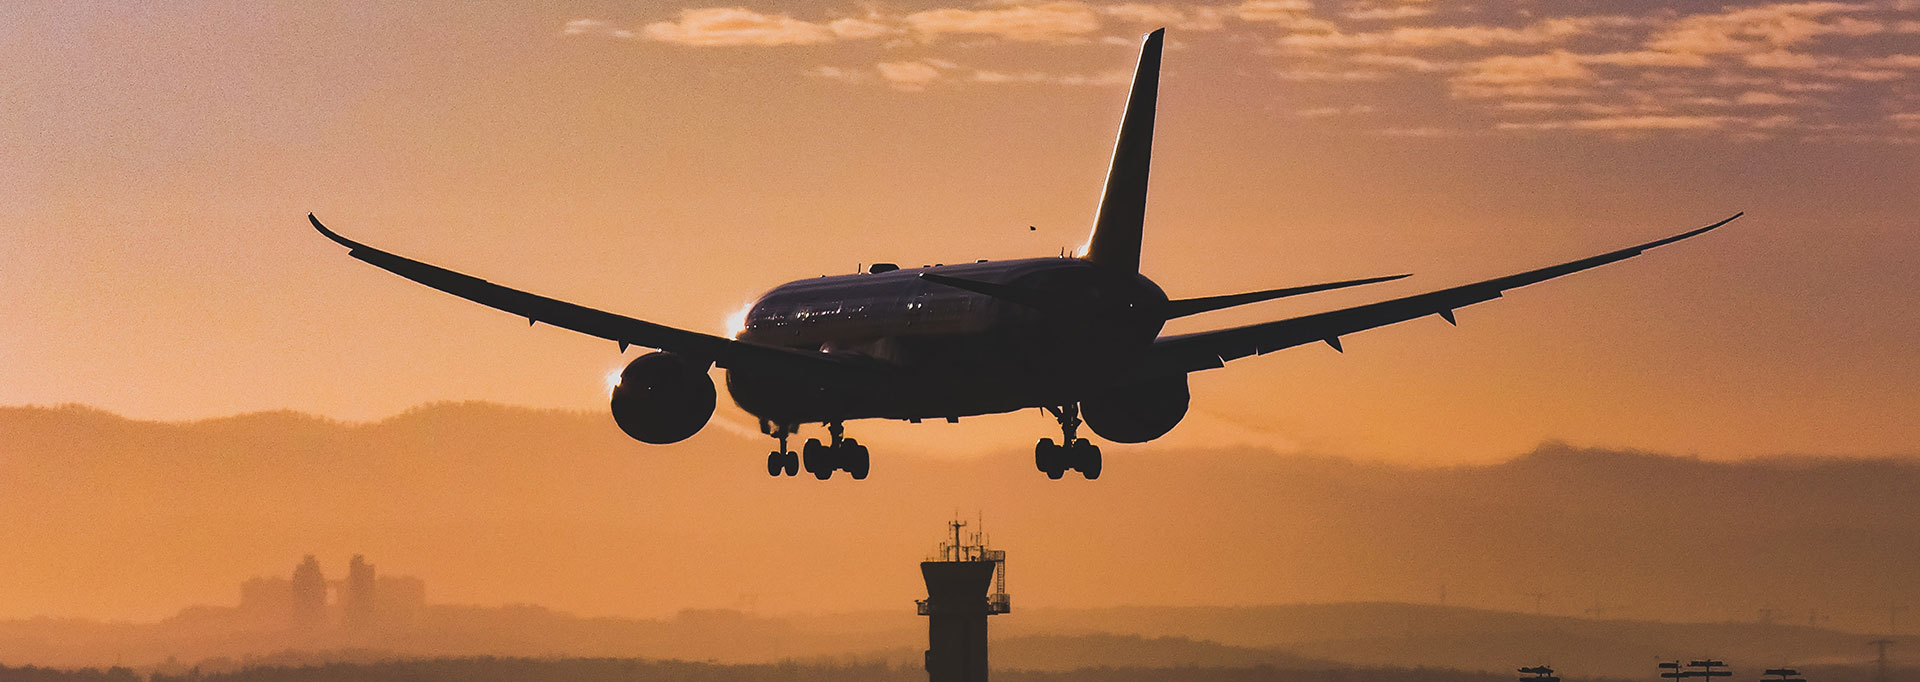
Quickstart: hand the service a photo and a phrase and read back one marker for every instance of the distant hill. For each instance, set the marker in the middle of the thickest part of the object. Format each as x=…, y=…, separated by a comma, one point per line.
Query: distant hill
x=1472, y=639
x=1064, y=652
x=491, y=505
x=488, y=669
x=1302, y=637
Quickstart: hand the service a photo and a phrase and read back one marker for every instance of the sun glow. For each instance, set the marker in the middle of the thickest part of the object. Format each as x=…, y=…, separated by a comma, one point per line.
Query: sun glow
x=737, y=322
x=613, y=379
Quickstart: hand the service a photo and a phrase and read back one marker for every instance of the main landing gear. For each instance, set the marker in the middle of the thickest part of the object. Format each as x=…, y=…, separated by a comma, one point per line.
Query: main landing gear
x=781, y=460
x=1074, y=453
x=840, y=454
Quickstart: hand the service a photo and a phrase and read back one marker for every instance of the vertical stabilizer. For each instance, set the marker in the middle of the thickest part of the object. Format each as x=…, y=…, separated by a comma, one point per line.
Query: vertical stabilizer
x=1115, y=241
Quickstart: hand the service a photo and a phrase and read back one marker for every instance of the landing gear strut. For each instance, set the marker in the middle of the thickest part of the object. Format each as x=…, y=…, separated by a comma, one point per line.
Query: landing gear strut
x=1073, y=453
x=842, y=454
x=781, y=460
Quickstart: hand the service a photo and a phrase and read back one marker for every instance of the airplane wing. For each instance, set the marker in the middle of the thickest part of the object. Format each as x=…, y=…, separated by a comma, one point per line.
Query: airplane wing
x=624, y=330
x=1207, y=350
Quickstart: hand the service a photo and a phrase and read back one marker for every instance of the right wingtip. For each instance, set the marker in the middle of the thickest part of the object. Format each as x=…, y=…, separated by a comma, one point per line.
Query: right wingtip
x=1691, y=233
x=330, y=234
x=1729, y=219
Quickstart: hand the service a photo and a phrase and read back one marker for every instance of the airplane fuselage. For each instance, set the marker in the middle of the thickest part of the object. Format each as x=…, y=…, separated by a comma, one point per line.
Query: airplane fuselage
x=951, y=352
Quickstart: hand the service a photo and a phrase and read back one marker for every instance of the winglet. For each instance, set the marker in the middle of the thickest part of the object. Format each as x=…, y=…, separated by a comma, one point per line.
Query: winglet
x=335, y=236
x=1194, y=306
x=1115, y=241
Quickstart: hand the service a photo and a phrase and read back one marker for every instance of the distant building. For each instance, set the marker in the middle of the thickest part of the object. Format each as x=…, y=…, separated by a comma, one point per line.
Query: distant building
x=363, y=603
x=309, y=595
x=358, y=608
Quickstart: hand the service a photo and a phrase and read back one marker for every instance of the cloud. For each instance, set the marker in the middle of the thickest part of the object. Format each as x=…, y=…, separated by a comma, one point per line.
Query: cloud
x=840, y=74
x=1104, y=79
x=1647, y=58
x=1763, y=28
x=1614, y=123
x=916, y=75
x=1895, y=61
x=911, y=76
x=583, y=27
x=1545, y=32
x=1272, y=10
x=1781, y=59
x=856, y=29
x=1758, y=98
x=1288, y=15
x=728, y=26
x=1388, y=13
x=1665, y=70
x=1197, y=18
x=1054, y=21
x=1420, y=132
x=1505, y=72
x=580, y=27
x=1325, y=76
x=1403, y=62
x=1327, y=112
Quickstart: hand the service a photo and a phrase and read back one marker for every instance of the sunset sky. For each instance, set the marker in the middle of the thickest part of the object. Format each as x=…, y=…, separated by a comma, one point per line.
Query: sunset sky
x=670, y=162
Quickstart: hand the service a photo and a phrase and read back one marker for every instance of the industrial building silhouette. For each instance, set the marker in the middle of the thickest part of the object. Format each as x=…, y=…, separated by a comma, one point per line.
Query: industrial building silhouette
x=307, y=601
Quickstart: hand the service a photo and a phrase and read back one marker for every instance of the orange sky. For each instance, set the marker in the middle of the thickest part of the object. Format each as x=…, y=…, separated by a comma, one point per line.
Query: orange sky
x=672, y=162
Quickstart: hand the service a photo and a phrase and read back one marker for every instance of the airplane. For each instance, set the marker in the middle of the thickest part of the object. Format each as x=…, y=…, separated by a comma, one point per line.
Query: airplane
x=1078, y=335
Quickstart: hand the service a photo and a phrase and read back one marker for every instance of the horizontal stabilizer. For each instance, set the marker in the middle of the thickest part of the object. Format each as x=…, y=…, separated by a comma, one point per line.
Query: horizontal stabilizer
x=1195, y=306
x=1032, y=298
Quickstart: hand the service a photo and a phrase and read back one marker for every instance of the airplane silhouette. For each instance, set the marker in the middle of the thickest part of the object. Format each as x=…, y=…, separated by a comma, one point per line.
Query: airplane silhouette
x=1076, y=335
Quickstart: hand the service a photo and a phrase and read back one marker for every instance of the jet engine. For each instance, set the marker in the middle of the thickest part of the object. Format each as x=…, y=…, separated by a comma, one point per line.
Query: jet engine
x=1137, y=413
x=662, y=398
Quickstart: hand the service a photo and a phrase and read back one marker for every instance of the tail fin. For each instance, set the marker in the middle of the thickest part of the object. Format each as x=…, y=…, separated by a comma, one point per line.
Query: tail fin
x=1115, y=241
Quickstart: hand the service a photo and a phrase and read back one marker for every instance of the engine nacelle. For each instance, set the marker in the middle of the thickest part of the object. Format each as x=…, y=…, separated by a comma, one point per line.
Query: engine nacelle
x=1137, y=413
x=662, y=398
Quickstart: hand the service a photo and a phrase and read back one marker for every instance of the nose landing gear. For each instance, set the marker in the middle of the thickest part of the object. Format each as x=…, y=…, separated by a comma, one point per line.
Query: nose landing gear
x=1072, y=453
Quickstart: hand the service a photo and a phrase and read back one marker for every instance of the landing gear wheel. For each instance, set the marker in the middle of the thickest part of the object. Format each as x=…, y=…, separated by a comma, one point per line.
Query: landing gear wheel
x=1089, y=459
x=790, y=463
x=1047, y=458
x=854, y=459
x=776, y=464
x=816, y=459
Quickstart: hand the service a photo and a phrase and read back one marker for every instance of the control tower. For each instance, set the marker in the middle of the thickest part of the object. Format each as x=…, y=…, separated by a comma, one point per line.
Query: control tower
x=957, y=605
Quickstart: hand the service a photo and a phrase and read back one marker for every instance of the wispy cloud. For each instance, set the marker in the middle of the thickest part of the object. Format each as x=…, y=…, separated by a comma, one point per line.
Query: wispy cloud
x=915, y=75
x=1052, y=21
x=1611, y=123
x=1327, y=112
x=1545, y=32
x=909, y=75
x=1764, y=28
x=1398, y=12
x=728, y=26
x=1817, y=69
